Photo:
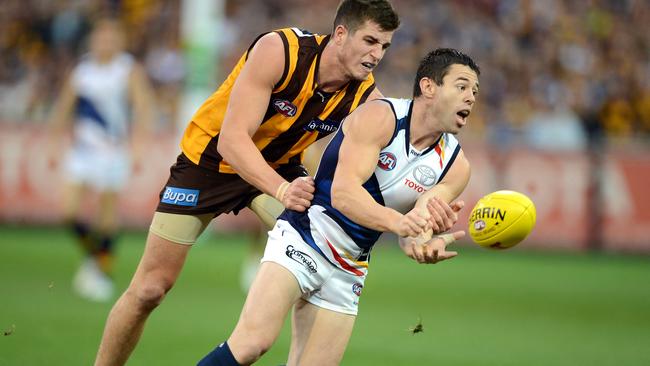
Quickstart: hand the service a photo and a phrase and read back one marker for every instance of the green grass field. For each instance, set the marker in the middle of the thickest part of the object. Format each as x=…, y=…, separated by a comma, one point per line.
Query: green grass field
x=484, y=307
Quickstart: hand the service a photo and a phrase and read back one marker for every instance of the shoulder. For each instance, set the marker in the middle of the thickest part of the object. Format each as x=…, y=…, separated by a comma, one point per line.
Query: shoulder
x=269, y=46
x=300, y=42
x=379, y=109
x=374, y=119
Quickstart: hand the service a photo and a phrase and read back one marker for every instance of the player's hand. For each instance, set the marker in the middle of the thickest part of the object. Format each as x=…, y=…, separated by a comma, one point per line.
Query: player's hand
x=414, y=223
x=430, y=251
x=443, y=215
x=299, y=194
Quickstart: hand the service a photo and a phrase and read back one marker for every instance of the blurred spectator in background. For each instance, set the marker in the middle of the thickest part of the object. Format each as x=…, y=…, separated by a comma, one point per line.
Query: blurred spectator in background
x=97, y=95
x=591, y=56
x=166, y=69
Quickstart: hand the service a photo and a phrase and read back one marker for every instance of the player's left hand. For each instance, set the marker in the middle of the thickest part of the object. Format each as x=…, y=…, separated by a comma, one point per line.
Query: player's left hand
x=430, y=251
x=443, y=215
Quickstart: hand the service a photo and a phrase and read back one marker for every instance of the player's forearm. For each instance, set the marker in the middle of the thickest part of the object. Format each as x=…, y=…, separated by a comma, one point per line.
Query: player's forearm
x=356, y=203
x=244, y=157
x=60, y=120
x=143, y=111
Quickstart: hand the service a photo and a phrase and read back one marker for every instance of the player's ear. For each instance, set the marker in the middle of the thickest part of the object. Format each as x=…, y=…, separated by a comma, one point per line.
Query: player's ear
x=428, y=87
x=339, y=34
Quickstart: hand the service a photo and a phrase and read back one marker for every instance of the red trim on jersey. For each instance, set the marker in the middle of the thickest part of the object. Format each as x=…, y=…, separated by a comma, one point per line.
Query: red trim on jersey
x=342, y=261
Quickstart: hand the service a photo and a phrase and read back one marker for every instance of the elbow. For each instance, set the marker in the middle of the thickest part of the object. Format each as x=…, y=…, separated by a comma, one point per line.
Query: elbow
x=224, y=145
x=340, y=200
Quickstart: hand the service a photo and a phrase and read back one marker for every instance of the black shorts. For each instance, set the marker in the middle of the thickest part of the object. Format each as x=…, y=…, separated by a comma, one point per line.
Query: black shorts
x=194, y=190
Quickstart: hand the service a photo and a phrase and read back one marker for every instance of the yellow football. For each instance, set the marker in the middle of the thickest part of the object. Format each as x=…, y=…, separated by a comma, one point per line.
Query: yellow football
x=502, y=219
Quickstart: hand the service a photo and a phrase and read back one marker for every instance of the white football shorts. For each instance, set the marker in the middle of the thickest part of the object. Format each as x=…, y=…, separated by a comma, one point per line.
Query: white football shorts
x=103, y=170
x=321, y=283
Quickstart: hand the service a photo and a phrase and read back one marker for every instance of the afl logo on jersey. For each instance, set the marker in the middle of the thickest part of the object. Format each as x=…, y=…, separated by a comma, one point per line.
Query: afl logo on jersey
x=285, y=107
x=425, y=175
x=387, y=161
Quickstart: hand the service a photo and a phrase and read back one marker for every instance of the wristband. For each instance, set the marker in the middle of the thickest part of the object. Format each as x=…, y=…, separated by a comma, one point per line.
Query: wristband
x=282, y=189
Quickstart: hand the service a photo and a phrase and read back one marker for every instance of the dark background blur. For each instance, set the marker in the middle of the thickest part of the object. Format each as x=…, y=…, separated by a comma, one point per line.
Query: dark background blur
x=564, y=108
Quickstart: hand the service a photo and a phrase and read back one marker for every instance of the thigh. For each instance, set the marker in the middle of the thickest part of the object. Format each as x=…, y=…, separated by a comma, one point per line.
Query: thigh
x=269, y=300
x=73, y=195
x=160, y=265
x=107, y=215
x=179, y=229
x=287, y=248
x=266, y=208
x=319, y=335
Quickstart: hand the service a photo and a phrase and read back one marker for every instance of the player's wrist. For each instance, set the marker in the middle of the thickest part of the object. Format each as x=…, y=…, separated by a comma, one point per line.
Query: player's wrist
x=281, y=191
x=394, y=223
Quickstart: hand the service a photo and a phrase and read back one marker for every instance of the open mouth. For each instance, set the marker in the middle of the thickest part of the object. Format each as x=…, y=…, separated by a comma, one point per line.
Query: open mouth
x=368, y=65
x=463, y=114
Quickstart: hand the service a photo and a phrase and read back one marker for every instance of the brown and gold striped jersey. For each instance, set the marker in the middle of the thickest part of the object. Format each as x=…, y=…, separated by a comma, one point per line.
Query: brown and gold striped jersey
x=298, y=112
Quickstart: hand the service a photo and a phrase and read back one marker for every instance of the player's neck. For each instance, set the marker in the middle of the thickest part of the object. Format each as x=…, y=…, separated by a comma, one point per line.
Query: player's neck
x=331, y=75
x=422, y=134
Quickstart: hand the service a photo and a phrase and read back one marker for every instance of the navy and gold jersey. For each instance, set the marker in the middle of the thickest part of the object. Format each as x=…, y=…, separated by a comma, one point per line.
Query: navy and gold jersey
x=298, y=113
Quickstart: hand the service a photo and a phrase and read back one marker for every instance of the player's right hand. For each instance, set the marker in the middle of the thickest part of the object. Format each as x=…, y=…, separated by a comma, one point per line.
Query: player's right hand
x=413, y=223
x=299, y=194
x=430, y=251
x=443, y=215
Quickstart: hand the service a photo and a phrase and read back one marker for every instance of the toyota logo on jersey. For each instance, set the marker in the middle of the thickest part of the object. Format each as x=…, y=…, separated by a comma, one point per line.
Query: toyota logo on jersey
x=285, y=107
x=425, y=175
x=387, y=161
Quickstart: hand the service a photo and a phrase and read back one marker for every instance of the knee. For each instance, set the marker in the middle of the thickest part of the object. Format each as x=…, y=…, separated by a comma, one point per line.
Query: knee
x=148, y=295
x=251, y=350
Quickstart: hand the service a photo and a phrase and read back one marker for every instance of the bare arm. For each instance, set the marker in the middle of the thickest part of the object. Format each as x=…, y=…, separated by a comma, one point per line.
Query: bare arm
x=142, y=100
x=60, y=118
x=367, y=130
x=248, y=103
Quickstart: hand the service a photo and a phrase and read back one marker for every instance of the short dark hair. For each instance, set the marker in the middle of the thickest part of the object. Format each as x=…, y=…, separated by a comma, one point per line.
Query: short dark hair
x=436, y=64
x=353, y=13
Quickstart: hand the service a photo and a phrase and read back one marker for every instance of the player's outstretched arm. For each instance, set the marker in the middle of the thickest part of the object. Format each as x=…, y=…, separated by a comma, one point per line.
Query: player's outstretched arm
x=367, y=130
x=247, y=105
x=430, y=251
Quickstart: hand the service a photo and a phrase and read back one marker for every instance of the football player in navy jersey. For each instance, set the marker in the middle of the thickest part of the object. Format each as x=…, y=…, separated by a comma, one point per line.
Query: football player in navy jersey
x=394, y=166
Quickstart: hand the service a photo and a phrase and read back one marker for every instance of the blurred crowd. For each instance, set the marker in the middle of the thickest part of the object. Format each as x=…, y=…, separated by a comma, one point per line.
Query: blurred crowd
x=556, y=74
x=41, y=40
